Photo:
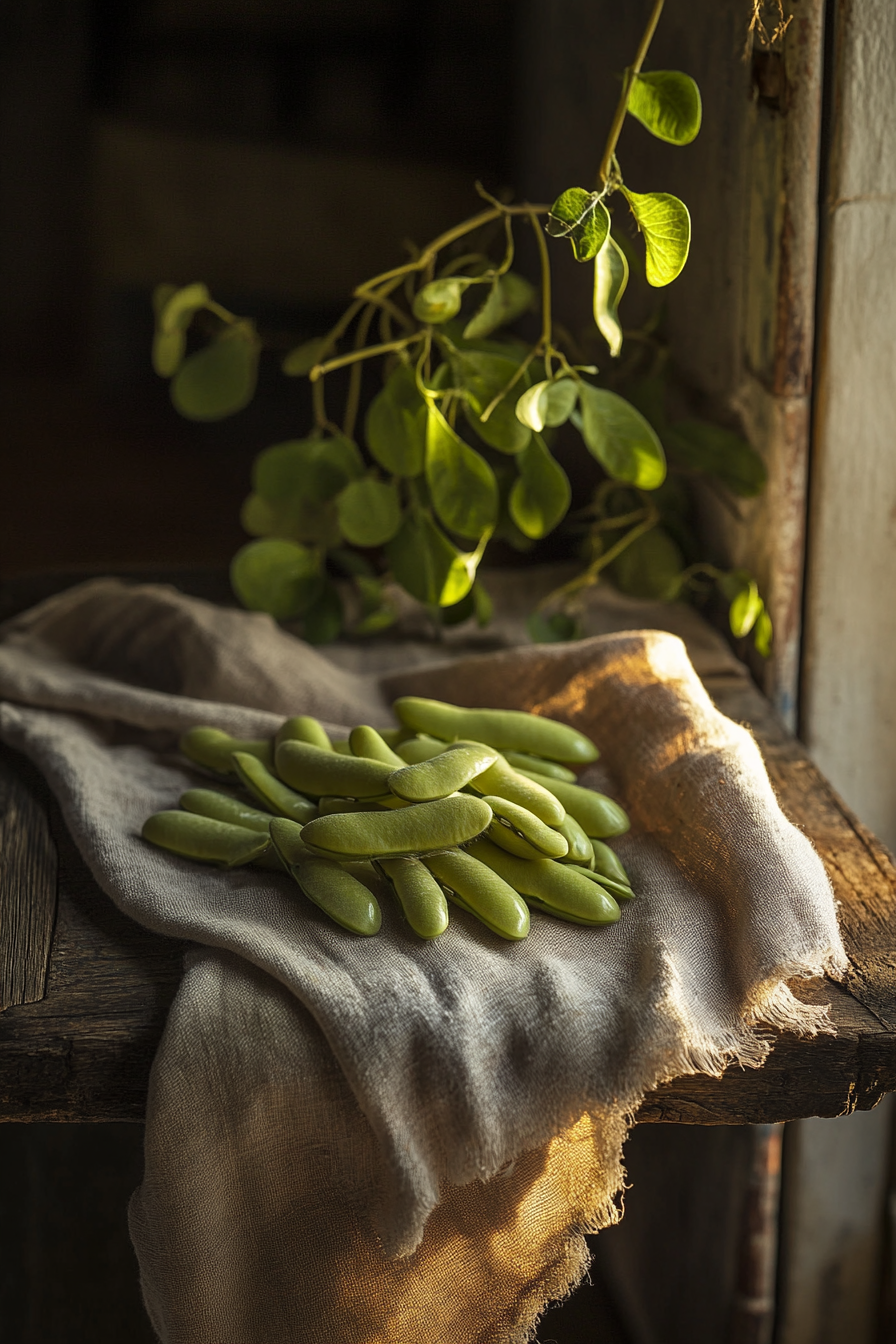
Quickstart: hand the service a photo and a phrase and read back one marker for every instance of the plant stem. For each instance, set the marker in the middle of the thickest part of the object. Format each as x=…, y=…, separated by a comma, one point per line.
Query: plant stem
x=628, y=79
x=546, y=319
x=369, y=352
x=354, y=386
x=590, y=575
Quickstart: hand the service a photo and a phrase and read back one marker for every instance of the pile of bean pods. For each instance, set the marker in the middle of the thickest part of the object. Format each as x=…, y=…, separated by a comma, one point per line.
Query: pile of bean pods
x=473, y=806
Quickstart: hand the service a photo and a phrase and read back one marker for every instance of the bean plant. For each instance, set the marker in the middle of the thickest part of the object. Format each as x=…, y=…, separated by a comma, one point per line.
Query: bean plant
x=456, y=447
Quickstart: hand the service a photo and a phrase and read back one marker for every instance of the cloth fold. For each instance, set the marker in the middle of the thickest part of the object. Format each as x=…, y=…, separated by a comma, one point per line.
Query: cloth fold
x=385, y=1139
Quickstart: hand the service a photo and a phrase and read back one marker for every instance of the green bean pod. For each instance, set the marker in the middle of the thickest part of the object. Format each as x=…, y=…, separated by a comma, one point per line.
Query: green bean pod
x=406, y=832
x=599, y=816
x=443, y=775
x=421, y=748
x=557, y=887
x=339, y=894
x=204, y=839
x=482, y=891
x=213, y=749
x=506, y=729
x=547, y=842
x=419, y=894
x=303, y=728
x=507, y=839
x=268, y=789
x=621, y=890
x=327, y=773
x=365, y=741
x=505, y=782
x=222, y=807
x=578, y=845
x=607, y=862
x=520, y=761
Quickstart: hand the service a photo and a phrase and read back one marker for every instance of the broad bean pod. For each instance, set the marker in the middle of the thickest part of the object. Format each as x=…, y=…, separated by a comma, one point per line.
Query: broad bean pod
x=510, y=729
x=406, y=832
x=445, y=774
x=482, y=891
x=205, y=839
x=420, y=896
x=213, y=749
x=337, y=892
x=557, y=887
x=599, y=816
x=326, y=773
x=271, y=791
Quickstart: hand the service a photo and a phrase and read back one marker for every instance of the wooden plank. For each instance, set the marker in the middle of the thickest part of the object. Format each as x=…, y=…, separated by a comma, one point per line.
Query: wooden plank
x=27, y=888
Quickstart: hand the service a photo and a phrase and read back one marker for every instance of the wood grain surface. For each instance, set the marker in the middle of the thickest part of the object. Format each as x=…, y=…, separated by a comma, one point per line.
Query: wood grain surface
x=27, y=888
x=84, y=1051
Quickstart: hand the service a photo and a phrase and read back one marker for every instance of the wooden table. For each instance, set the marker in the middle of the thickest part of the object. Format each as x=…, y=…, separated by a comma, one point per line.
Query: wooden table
x=85, y=990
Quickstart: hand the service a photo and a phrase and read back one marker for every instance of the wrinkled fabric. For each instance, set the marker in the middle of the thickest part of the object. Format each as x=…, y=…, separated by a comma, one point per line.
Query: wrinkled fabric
x=386, y=1139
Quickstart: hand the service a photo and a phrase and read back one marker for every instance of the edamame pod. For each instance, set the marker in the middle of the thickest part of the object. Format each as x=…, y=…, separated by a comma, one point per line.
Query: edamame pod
x=214, y=749
x=303, y=728
x=557, y=887
x=417, y=749
x=367, y=742
x=520, y=761
x=547, y=842
x=220, y=806
x=327, y=884
x=482, y=891
x=318, y=773
x=607, y=862
x=406, y=832
x=578, y=845
x=204, y=839
x=420, y=895
x=505, y=782
x=598, y=815
x=513, y=843
x=443, y=775
x=506, y=729
x=268, y=789
x=621, y=890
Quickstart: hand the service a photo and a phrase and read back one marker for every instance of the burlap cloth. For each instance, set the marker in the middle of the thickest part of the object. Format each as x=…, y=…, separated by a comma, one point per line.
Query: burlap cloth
x=385, y=1140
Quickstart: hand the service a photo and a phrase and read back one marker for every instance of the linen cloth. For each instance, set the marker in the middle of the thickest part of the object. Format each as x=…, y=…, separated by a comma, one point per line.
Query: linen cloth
x=386, y=1141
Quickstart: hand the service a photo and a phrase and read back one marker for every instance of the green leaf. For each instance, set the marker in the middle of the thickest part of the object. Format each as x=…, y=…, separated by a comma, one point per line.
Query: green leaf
x=313, y=469
x=666, y=226
x=745, y=610
x=303, y=358
x=582, y=217
x=219, y=380
x=623, y=442
x=426, y=564
x=294, y=519
x=610, y=280
x=668, y=104
x=541, y=495
x=547, y=403
x=350, y=563
x=160, y=296
x=369, y=512
x=651, y=566
x=763, y=633
x=462, y=484
x=483, y=376
x=325, y=618
x=440, y=300
x=705, y=447
x=555, y=629
x=508, y=298
x=483, y=605
x=378, y=612
x=395, y=427
x=180, y=307
x=279, y=577
x=168, y=348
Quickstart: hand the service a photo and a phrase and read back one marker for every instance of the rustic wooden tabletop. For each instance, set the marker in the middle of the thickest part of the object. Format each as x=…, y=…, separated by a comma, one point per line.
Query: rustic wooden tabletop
x=84, y=991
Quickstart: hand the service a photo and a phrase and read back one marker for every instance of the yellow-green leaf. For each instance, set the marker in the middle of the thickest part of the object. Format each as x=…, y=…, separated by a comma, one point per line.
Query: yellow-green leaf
x=623, y=442
x=610, y=280
x=540, y=496
x=440, y=300
x=666, y=225
x=395, y=428
x=483, y=376
x=168, y=349
x=668, y=104
x=508, y=298
x=582, y=217
x=461, y=483
x=179, y=308
x=426, y=564
x=547, y=403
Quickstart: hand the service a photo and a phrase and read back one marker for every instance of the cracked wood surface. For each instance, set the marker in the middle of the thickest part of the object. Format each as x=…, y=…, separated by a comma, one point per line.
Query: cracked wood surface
x=84, y=1050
